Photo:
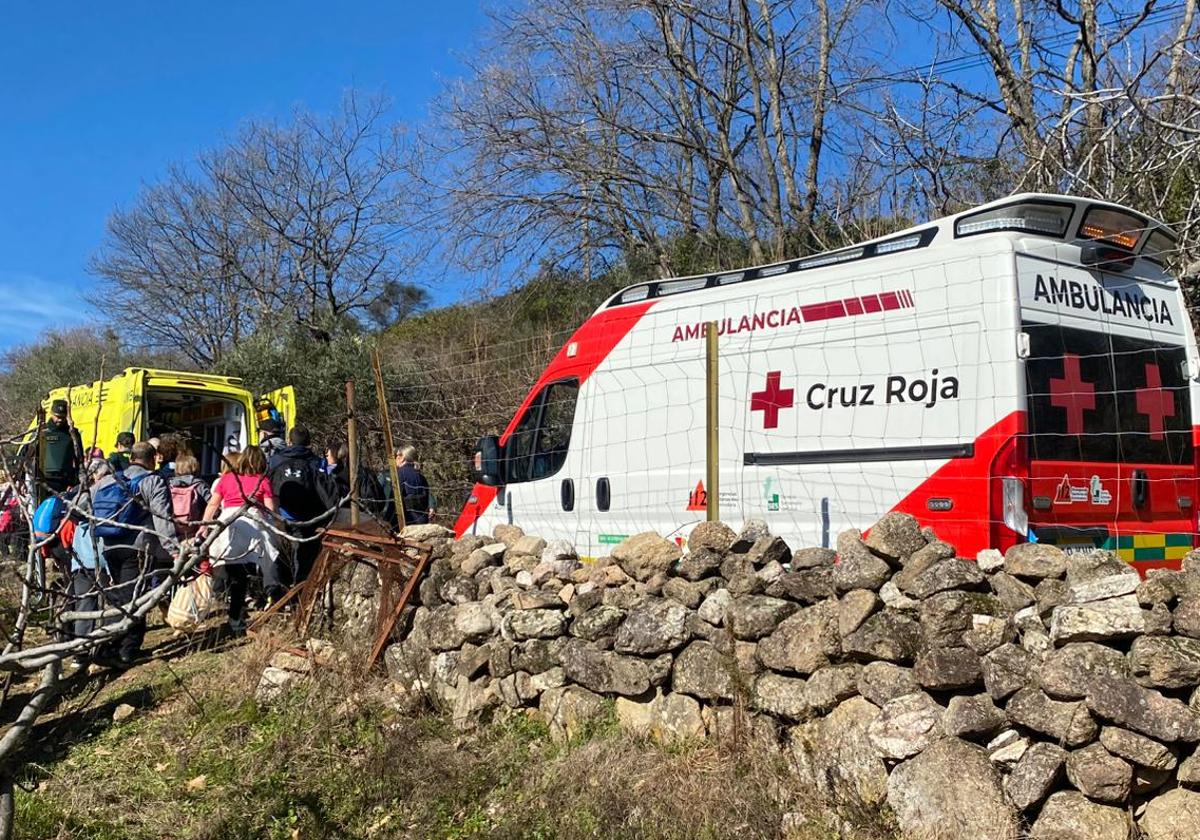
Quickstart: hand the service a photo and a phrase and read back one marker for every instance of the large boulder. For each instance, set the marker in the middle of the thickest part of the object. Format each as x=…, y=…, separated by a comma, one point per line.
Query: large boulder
x=704, y=672
x=654, y=627
x=1165, y=661
x=751, y=617
x=1069, y=815
x=1067, y=672
x=1144, y=710
x=906, y=725
x=803, y=642
x=1098, y=621
x=1174, y=815
x=645, y=555
x=1100, y=775
x=951, y=789
x=833, y=755
x=1034, y=775
x=888, y=635
x=1067, y=723
x=603, y=671
x=1035, y=561
x=895, y=536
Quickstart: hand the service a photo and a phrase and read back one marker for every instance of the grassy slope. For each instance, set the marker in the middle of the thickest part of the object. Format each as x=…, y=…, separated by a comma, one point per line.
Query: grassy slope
x=201, y=760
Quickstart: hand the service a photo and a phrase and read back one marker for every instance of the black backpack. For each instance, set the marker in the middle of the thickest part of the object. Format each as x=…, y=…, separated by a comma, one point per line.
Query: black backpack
x=297, y=487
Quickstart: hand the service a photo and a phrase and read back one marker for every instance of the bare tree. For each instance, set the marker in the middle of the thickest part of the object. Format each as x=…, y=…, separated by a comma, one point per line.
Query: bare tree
x=304, y=222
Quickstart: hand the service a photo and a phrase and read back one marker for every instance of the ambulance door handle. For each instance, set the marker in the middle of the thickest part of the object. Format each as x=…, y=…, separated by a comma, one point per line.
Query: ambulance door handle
x=1141, y=488
x=603, y=494
x=568, y=494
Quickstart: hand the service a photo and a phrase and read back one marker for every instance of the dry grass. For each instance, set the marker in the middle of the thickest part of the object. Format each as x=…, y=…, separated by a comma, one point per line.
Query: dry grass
x=202, y=760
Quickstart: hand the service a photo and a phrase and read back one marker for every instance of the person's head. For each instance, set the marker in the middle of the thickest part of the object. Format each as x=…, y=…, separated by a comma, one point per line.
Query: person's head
x=58, y=412
x=230, y=461
x=299, y=436
x=168, y=449
x=124, y=441
x=337, y=453
x=252, y=462
x=143, y=454
x=98, y=468
x=406, y=455
x=96, y=452
x=154, y=442
x=268, y=429
x=186, y=464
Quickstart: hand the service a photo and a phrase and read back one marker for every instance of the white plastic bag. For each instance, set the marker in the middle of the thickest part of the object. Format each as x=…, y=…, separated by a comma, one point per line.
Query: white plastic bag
x=191, y=604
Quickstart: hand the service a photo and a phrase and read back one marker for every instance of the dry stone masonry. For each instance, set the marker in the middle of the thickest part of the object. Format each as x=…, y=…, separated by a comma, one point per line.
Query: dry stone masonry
x=1032, y=693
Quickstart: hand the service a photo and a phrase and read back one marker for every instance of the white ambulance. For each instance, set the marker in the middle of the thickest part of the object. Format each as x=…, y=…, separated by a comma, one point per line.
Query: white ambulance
x=1026, y=370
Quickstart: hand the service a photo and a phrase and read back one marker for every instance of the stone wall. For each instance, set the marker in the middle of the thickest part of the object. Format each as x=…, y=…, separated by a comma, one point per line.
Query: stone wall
x=977, y=698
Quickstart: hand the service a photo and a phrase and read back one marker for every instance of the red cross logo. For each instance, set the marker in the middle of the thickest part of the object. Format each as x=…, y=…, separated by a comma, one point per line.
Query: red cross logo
x=1155, y=403
x=771, y=400
x=1073, y=393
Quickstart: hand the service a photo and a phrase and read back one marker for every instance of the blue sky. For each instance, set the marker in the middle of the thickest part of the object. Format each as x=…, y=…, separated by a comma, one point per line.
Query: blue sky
x=98, y=98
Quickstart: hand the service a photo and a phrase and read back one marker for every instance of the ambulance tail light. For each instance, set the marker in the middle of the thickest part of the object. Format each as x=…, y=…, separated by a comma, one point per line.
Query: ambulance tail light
x=1010, y=471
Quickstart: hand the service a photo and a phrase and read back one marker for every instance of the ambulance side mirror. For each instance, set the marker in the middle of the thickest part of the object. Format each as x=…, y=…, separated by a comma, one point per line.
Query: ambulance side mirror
x=488, y=465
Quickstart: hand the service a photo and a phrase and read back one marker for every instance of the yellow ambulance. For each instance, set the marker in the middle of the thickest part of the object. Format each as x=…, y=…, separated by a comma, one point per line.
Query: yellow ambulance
x=209, y=412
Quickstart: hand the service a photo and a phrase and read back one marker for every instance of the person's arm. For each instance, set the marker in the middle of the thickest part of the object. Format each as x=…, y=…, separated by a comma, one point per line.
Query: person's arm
x=268, y=496
x=158, y=502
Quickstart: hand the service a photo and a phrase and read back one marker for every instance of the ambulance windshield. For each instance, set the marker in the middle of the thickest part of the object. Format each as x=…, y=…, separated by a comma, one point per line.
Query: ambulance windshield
x=1095, y=396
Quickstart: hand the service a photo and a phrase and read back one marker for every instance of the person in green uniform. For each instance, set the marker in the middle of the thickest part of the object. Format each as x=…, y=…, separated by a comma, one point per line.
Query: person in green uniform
x=60, y=451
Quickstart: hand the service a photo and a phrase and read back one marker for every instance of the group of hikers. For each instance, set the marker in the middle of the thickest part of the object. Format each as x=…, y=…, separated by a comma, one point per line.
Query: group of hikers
x=269, y=504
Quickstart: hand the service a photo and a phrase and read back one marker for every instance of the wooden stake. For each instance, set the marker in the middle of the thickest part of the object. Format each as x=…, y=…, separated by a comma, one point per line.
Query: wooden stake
x=712, y=459
x=386, y=420
x=352, y=445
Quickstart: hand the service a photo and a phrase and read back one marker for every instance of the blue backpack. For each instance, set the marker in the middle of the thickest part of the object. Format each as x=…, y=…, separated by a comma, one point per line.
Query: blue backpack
x=117, y=501
x=48, y=517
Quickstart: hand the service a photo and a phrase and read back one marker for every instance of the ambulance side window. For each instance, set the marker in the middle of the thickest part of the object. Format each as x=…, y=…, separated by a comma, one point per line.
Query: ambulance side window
x=538, y=446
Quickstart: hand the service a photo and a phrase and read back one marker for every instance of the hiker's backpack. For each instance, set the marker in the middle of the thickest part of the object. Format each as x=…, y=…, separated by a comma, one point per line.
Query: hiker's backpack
x=117, y=501
x=10, y=518
x=187, y=509
x=296, y=486
x=47, y=517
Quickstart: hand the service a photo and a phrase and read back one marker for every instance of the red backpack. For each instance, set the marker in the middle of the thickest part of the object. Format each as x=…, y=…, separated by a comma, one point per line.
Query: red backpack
x=187, y=508
x=9, y=521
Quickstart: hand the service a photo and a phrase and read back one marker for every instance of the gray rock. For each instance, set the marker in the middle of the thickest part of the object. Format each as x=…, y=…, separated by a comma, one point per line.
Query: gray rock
x=535, y=599
x=1100, y=775
x=1007, y=748
x=644, y=555
x=989, y=560
x=858, y=568
x=808, y=586
x=1158, y=620
x=532, y=546
x=698, y=565
x=599, y=621
x=916, y=566
x=1165, y=662
x=989, y=632
x=715, y=536
x=803, y=642
x=1034, y=775
x=570, y=710
x=1116, y=618
x=948, y=669
x=951, y=788
x=831, y=685
x=781, y=696
x=537, y=655
x=767, y=551
x=536, y=624
x=1035, y=561
x=449, y=626
x=1013, y=594
x=667, y=718
x=1050, y=593
x=603, y=671
x=1100, y=589
x=1067, y=672
x=935, y=550
x=704, y=672
x=854, y=608
x=1174, y=815
x=1069, y=815
x=1144, y=710
x=1188, y=772
x=1187, y=617
x=478, y=560
x=752, y=530
x=1006, y=670
x=684, y=592
x=735, y=565
x=1153, y=591
x=906, y=725
x=947, y=617
x=880, y=682
x=892, y=597
x=895, y=536
x=746, y=583
x=472, y=702
x=1065, y=722
x=1084, y=568
x=945, y=575
x=459, y=590
x=811, y=558
x=1137, y=749
x=715, y=607
x=972, y=717
x=656, y=626
x=833, y=756
x=754, y=616
x=888, y=635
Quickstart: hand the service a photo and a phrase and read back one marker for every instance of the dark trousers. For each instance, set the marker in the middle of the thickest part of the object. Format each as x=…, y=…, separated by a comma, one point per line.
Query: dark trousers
x=85, y=597
x=306, y=554
x=124, y=566
x=234, y=579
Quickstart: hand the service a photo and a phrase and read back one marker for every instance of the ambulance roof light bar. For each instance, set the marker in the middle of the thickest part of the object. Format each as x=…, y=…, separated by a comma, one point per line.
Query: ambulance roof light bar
x=1043, y=217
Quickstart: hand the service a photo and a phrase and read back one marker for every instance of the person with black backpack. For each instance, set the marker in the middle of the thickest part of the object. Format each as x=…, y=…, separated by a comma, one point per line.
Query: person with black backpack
x=123, y=504
x=304, y=491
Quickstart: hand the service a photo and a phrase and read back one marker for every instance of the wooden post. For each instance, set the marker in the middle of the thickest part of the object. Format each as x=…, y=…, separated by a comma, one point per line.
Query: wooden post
x=352, y=445
x=386, y=420
x=712, y=460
